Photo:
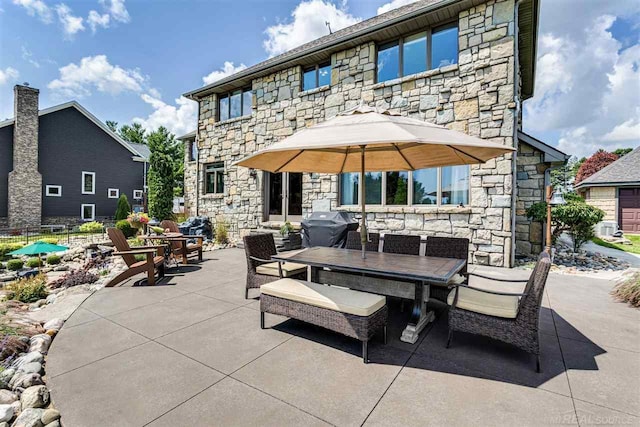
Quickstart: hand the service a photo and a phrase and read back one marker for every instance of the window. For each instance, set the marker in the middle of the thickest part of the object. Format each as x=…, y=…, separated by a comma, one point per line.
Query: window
x=434, y=186
x=234, y=104
x=316, y=76
x=113, y=193
x=88, y=183
x=53, y=190
x=417, y=53
x=193, y=151
x=137, y=194
x=214, y=178
x=88, y=212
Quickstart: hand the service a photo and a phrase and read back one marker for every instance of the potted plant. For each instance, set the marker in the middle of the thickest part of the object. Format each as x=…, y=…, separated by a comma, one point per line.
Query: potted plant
x=138, y=219
x=290, y=238
x=286, y=229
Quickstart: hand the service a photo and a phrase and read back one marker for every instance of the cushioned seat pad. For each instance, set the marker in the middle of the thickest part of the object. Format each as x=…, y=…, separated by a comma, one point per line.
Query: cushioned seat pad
x=332, y=298
x=288, y=269
x=484, y=303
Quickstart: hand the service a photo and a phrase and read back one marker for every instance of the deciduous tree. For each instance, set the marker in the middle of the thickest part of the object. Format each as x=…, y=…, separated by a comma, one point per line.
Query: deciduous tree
x=593, y=164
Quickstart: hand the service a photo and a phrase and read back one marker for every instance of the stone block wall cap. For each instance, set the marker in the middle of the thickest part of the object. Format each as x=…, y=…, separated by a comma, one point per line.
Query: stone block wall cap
x=314, y=90
x=424, y=74
x=235, y=119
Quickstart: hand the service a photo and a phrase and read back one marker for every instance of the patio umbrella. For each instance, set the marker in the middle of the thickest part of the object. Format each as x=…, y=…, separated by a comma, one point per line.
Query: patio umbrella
x=39, y=248
x=366, y=139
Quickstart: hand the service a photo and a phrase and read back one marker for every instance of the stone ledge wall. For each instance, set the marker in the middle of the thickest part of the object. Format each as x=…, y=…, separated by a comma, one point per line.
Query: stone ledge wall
x=475, y=96
x=604, y=198
x=530, y=181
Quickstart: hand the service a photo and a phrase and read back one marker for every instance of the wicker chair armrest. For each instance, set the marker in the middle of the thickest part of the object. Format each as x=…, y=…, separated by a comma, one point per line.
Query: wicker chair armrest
x=486, y=291
x=497, y=279
x=260, y=260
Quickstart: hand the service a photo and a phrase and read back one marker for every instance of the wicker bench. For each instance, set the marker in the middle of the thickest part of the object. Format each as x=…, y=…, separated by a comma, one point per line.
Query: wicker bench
x=352, y=313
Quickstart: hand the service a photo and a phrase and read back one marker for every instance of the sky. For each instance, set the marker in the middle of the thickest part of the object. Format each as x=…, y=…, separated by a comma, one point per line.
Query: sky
x=131, y=60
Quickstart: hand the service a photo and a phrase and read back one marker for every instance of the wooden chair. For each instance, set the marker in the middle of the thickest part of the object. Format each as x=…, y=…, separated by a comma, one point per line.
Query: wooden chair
x=150, y=265
x=401, y=244
x=354, y=241
x=448, y=247
x=180, y=246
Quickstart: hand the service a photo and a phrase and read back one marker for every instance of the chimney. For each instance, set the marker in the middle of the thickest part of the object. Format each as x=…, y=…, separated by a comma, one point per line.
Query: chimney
x=25, y=181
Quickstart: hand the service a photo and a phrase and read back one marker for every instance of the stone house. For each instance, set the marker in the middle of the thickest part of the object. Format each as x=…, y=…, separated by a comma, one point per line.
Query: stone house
x=464, y=64
x=616, y=190
x=61, y=165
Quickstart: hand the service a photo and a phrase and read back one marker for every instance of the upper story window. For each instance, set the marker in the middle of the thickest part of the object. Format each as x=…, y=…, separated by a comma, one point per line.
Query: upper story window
x=234, y=104
x=316, y=76
x=418, y=52
x=193, y=151
x=88, y=182
x=214, y=178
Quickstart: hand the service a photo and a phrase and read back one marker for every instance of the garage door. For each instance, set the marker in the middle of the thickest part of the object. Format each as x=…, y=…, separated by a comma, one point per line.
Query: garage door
x=629, y=202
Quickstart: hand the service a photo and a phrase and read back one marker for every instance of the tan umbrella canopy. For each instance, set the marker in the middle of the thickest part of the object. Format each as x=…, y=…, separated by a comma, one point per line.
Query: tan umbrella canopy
x=365, y=139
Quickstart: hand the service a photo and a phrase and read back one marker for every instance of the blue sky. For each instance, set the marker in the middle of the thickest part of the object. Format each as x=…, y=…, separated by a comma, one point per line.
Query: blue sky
x=131, y=60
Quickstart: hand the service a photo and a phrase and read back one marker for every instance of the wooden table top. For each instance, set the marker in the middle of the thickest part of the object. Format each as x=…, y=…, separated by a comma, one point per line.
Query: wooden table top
x=160, y=236
x=414, y=267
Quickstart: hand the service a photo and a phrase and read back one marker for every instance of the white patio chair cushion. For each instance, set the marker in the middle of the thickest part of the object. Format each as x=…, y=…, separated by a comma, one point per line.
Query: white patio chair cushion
x=329, y=297
x=288, y=269
x=457, y=279
x=505, y=306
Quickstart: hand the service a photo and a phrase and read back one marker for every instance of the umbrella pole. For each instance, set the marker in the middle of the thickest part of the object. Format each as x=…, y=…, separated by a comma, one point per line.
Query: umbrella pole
x=363, y=227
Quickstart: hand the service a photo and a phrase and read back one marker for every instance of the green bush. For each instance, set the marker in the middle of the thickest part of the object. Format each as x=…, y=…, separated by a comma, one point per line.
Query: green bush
x=5, y=248
x=222, y=233
x=125, y=227
x=50, y=240
x=15, y=264
x=33, y=262
x=92, y=227
x=28, y=290
x=575, y=217
x=53, y=260
x=123, y=208
x=2, y=266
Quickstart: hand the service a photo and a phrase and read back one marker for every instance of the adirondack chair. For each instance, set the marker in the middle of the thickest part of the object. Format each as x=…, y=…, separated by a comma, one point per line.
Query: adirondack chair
x=180, y=246
x=154, y=259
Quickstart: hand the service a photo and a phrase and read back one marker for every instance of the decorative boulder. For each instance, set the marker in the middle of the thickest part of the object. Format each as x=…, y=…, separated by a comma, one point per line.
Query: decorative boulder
x=50, y=416
x=7, y=397
x=6, y=413
x=35, y=397
x=54, y=324
x=29, y=418
x=40, y=343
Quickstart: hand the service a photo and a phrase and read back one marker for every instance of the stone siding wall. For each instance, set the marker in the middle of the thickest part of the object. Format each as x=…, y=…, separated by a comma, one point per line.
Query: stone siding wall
x=190, y=181
x=474, y=96
x=604, y=198
x=530, y=183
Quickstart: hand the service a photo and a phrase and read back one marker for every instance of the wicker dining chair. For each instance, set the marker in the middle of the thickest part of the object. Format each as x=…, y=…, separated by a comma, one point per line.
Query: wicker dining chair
x=261, y=269
x=448, y=247
x=354, y=241
x=515, y=315
x=401, y=244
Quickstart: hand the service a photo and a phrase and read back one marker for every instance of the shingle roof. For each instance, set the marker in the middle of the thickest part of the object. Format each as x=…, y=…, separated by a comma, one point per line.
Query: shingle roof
x=142, y=149
x=624, y=171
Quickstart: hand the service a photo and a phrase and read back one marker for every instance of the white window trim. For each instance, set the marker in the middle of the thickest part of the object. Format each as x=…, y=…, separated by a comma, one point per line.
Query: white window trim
x=93, y=182
x=93, y=212
x=48, y=188
x=138, y=192
x=117, y=190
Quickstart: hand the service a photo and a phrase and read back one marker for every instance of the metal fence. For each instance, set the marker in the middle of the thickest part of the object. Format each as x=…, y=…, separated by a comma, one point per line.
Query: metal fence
x=63, y=234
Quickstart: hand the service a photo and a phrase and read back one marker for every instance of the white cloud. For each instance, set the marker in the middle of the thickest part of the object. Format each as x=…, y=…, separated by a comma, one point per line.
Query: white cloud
x=27, y=55
x=308, y=23
x=117, y=10
x=77, y=80
x=394, y=4
x=179, y=118
x=70, y=24
x=8, y=75
x=96, y=20
x=36, y=8
x=627, y=131
x=227, y=70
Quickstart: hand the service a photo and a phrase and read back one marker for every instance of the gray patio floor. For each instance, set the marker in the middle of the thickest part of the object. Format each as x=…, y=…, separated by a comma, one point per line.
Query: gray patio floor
x=190, y=352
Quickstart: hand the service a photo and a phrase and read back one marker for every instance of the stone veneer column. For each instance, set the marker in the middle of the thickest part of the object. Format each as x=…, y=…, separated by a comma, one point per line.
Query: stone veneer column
x=25, y=181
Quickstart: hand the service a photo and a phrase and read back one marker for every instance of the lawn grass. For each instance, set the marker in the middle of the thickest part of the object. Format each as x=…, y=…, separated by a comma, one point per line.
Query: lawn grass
x=634, y=247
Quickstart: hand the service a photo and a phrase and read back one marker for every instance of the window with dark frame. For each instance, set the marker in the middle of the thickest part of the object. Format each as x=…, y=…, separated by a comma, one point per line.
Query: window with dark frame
x=235, y=104
x=418, y=52
x=193, y=151
x=317, y=76
x=214, y=178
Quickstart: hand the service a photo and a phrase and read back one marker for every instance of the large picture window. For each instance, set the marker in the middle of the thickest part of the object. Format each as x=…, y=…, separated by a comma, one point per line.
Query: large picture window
x=214, y=178
x=234, y=104
x=417, y=53
x=434, y=186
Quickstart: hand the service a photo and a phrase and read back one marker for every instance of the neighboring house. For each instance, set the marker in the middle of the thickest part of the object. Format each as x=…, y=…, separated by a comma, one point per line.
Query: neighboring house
x=464, y=64
x=616, y=190
x=61, y=165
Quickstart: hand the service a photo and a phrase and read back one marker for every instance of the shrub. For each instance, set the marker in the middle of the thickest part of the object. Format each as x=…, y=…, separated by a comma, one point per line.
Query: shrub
x=125, y=227
x=33, y=262
x=593, y=164
x=2, y=266
x=53, y=260
x=575, y=217
x=5, y=248
x=28, y=290
x=123, y=208
x=222, y=233
x=180, y=217
x=628, y=291
x=15, y=264
x=92, y=227
x=50, y=240
x=74, y=278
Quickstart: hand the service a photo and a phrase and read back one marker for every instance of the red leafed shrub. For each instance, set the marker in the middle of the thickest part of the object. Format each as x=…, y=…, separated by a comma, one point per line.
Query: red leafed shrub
x=74, y=278
x=593, y=164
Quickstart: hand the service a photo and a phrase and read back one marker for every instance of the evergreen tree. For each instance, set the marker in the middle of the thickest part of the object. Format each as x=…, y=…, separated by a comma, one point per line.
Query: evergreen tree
x=123, y=208
x=133, y=133
x=113, y=126
x=161, y=173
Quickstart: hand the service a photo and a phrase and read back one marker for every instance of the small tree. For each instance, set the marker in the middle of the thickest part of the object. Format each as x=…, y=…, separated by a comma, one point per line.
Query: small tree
x=161, y=173
x=123, y=208
x=593, y=164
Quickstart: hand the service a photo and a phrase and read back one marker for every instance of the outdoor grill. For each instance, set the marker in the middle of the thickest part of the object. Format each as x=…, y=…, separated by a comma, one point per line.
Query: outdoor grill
x=327, y=229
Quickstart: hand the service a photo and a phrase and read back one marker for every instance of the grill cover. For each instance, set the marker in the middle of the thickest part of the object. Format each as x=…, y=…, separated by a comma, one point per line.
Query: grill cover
x=327, y=229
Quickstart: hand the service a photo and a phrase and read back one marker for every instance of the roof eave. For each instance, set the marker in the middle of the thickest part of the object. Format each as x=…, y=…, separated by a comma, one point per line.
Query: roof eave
x=607, y=184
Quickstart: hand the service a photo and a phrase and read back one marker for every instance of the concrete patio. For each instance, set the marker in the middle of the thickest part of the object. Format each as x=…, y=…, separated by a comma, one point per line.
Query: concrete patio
x=190, y=352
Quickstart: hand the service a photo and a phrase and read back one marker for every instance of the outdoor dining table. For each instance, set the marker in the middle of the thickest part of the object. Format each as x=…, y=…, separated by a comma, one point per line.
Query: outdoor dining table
x=404, y=276
x=165, y=239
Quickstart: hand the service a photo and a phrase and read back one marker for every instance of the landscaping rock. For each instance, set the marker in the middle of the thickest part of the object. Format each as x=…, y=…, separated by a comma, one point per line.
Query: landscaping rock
x=3, y=424
x=55, y=423
x=31, y=368
x=40, y=343
x=17, y=408
x=51, y=298
x=7, y=397
x=29, y=418
x=54, y=324
x=5, y=377
x=6, y=413
x=62, y=267
x=50, y=416
x=34, y=356
x=35, y=397
x=22, y=381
